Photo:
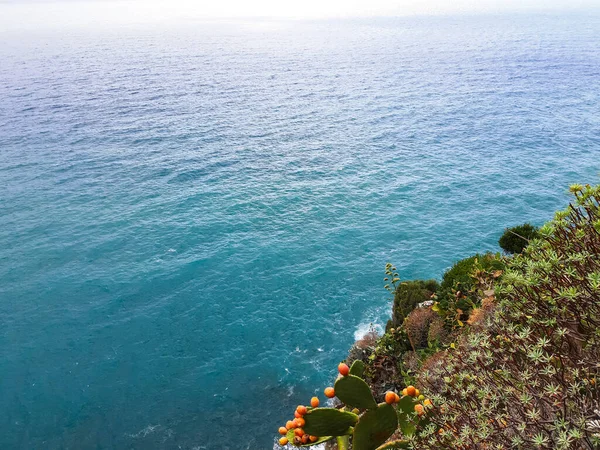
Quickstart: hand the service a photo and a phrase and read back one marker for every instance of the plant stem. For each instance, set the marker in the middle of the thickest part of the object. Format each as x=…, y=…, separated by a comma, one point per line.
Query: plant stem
x=342, y=442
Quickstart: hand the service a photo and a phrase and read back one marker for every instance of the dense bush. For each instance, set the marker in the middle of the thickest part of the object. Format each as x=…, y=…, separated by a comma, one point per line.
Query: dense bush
x=515, y=239
x=408, y=295
x=458, y=294
x=528, y=380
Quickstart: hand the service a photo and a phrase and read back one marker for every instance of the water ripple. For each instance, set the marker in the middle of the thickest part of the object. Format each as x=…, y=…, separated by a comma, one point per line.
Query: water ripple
x=195, y=222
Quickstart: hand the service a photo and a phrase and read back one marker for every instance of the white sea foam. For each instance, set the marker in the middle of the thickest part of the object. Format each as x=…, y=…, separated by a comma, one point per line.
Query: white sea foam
x=276, y=446
x=365, y=327
x=145, y=431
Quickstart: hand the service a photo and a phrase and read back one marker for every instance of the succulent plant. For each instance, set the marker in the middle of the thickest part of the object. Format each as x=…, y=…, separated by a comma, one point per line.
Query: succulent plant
x=360, y=420
x=527, y=379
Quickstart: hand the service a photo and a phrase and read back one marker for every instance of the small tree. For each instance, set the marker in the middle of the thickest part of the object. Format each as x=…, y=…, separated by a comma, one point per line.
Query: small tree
x=515, y=239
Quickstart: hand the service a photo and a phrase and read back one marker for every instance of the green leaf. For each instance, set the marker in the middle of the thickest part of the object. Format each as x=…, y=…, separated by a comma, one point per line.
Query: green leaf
x=328, y=422
x=354, y=392
x=375, y=427
x=358, y=368
x=391, y=445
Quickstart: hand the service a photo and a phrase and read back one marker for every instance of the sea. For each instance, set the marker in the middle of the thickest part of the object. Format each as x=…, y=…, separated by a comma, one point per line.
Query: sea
x=195, y=218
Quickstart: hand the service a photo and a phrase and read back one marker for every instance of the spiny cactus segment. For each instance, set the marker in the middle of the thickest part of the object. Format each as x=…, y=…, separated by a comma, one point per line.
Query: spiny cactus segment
x=359, y=420
x=354, y=392
x=358, y=368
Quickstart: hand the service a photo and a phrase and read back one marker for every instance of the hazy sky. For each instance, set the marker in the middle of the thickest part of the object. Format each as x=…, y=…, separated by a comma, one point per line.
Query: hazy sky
x=25, y=14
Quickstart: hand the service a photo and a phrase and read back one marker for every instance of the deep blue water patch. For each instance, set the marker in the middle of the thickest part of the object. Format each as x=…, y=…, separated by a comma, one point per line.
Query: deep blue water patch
x=195, y=220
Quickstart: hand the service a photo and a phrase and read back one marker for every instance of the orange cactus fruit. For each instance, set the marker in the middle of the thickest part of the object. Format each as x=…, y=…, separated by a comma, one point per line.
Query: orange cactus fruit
x=397, y=398
x=299, y=432
x=314, y=402
x=343, y=369
x=283, y=431
x=329, y=392
x=390, y=397
x=283, y=441
x=313, y=438
x=427, y=402
x=305, y=439
x=410, y=390
x=419, y=409
x=300, y=422
x=404, y=391
x=290, y=424
x=301, y=409
x=297, y=415
x=297, y=441
x=417, y=392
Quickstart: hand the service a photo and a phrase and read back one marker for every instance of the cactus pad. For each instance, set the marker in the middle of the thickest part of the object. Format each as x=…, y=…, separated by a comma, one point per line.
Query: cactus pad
x=358, y=368
x=375, y=427
x=354, y=392
x=407, y=404
x=406, y=407
x=328, y=422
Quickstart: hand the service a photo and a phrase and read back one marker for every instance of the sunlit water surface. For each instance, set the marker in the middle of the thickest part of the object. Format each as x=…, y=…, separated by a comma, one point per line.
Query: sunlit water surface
x=196, y=218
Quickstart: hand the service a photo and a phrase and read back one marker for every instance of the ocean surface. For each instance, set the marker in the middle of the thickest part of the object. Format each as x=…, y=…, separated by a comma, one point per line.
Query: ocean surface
x=195, y=218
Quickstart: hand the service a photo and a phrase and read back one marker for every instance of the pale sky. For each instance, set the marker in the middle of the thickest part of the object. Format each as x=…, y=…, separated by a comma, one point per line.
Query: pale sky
x=36, y=14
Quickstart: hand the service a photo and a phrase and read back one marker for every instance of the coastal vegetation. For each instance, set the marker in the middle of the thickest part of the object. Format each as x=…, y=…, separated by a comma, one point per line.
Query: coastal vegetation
x=503, y=353
x=515, y=239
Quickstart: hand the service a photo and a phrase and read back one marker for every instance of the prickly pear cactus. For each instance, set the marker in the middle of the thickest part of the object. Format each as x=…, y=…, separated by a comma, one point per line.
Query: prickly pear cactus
x=358, y=368
x=368, y=429
x=354, y=392
x=329, y=422
x=375, y=427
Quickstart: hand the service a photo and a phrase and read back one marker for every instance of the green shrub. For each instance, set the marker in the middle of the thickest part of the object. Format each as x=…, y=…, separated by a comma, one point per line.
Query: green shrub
x=457, y=295
x=408, y=295
x=460, y=275
x=515, y=239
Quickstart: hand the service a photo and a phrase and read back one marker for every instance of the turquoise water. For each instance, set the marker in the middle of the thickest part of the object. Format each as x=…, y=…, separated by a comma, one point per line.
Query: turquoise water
x=196, y=219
